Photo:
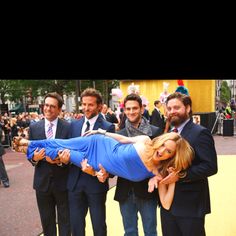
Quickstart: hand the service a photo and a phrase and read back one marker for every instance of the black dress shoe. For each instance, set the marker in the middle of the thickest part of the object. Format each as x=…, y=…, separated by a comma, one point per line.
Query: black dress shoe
x=6, y=184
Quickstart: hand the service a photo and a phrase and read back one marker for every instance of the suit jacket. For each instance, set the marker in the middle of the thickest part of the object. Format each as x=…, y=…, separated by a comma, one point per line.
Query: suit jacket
x=124, y=186
x=45, y=172
x=146, y=114
x=157, y=119
x=2, y=150
x=191, y=197
x=111, y=118
x=78, y=180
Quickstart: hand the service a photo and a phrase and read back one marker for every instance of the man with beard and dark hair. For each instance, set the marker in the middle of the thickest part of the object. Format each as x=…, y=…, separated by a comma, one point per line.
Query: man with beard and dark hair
x=192, y=200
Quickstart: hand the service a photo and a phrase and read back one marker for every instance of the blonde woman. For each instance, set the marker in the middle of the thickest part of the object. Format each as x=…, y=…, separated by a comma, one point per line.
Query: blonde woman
x=133, y=158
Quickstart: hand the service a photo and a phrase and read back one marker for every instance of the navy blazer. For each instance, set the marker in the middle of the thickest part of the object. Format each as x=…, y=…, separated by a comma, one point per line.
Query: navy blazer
x=44, y=171
x=140, y=188
x=192, y=197
x=78, y=180
x=157, y=119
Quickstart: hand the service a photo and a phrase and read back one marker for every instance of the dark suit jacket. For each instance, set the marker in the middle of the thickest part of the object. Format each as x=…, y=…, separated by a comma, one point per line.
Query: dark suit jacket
x=78, y=180
x=146, y=114
x=191, y=197
x=124, y=186
x=157, y=120
x=111, y=118
x=44, y=171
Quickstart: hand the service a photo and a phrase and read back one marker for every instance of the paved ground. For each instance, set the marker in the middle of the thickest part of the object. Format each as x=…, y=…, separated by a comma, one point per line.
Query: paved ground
x=18, y=210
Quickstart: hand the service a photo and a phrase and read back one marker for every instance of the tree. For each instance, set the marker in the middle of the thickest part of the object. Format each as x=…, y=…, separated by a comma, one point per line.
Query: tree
x=225, y=93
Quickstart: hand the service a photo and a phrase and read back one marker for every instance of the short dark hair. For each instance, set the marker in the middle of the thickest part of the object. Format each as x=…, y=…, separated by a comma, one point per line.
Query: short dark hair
x=156, y=102
x=57, y=96
x=185, y=99
x=91, y=92
x=133, y=97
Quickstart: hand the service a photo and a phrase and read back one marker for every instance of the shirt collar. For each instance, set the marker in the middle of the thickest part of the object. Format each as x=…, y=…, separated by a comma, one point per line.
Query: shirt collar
x=54, y=122
x=92, y=120
x=180, y=128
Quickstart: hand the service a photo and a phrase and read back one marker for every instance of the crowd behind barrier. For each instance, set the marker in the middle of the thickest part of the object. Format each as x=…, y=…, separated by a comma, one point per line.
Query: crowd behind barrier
x=18, y=125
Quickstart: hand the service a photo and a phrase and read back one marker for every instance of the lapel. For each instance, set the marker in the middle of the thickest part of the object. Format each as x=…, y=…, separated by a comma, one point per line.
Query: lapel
x=41, y=130
x=186, y=130
x=80, y=125
x=98, y=123
x=59, y=130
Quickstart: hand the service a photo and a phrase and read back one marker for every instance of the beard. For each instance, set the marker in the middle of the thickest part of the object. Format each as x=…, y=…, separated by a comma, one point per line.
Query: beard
x=178, y=119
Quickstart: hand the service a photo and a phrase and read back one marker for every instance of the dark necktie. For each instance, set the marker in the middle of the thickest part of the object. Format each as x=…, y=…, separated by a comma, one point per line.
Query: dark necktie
x=88, y=126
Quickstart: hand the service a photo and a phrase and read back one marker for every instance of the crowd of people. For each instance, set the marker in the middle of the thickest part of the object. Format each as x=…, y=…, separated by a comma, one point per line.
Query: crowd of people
x=161, y=160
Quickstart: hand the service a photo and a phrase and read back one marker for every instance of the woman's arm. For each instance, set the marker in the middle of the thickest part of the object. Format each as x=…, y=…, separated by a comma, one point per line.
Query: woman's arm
x=120, y=138
x=166, y=193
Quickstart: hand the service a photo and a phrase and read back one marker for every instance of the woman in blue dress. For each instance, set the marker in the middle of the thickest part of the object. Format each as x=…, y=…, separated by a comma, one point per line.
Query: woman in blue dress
x=133, y=158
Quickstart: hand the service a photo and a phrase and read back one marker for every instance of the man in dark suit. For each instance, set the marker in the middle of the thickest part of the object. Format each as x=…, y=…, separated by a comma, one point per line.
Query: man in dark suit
x=157, y=119
x=3, y=173
x=133, y=197
x=109, y=115
x=50, y=177
x=86, y=191
x=191, y=200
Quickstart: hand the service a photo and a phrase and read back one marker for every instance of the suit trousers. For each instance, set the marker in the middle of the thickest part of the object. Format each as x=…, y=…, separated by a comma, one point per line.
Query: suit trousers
x=181, y=226
x=3, y=172
x=79, y=204
x=50, y=203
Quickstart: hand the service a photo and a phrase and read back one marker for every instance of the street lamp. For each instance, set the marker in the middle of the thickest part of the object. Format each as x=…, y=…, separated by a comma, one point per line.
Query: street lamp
x=77, y=97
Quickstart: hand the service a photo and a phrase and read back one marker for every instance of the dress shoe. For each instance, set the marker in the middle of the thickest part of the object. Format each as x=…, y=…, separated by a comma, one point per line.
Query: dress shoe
x=6, y=184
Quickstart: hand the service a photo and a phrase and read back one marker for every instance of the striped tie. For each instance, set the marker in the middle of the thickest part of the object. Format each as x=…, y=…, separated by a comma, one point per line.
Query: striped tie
x=50, y=132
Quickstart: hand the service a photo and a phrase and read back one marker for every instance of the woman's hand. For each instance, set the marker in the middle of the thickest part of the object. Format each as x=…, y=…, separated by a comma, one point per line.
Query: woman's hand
x=153, y=183
x=172, y=177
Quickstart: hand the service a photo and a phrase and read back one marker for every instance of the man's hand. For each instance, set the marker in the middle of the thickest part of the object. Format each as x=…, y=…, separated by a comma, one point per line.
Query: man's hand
x=172, y=177
x=55, y=161
x=39, y=154
x=102, y=174
x=153, y=183
x=87, y=168
x=64, y=156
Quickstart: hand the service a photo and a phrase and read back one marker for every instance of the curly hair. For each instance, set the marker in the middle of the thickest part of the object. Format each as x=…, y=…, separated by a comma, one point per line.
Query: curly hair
x=91, y=92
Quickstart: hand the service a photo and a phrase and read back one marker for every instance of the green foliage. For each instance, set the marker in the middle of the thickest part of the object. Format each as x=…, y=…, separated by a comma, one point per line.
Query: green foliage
x=225, y=93
x=19, y=90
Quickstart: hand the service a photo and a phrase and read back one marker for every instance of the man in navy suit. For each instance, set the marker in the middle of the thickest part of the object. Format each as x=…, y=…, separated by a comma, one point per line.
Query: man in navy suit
x=50, y=177
x=86, y=191
x=191, y=200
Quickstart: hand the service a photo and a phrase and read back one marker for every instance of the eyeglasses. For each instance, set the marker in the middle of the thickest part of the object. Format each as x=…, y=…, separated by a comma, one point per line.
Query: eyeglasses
x=49, y=106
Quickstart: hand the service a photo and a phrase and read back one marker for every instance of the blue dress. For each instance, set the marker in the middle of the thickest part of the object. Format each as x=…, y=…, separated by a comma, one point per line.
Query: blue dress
x=117, y=158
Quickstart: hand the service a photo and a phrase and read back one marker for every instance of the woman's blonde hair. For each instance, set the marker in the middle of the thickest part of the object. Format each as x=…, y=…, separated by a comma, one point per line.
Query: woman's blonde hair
x=182, y=158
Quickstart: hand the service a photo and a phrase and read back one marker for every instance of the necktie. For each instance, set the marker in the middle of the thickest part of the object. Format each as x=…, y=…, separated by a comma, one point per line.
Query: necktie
x=50, y=132
x=88, y=126
x=175, y=130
